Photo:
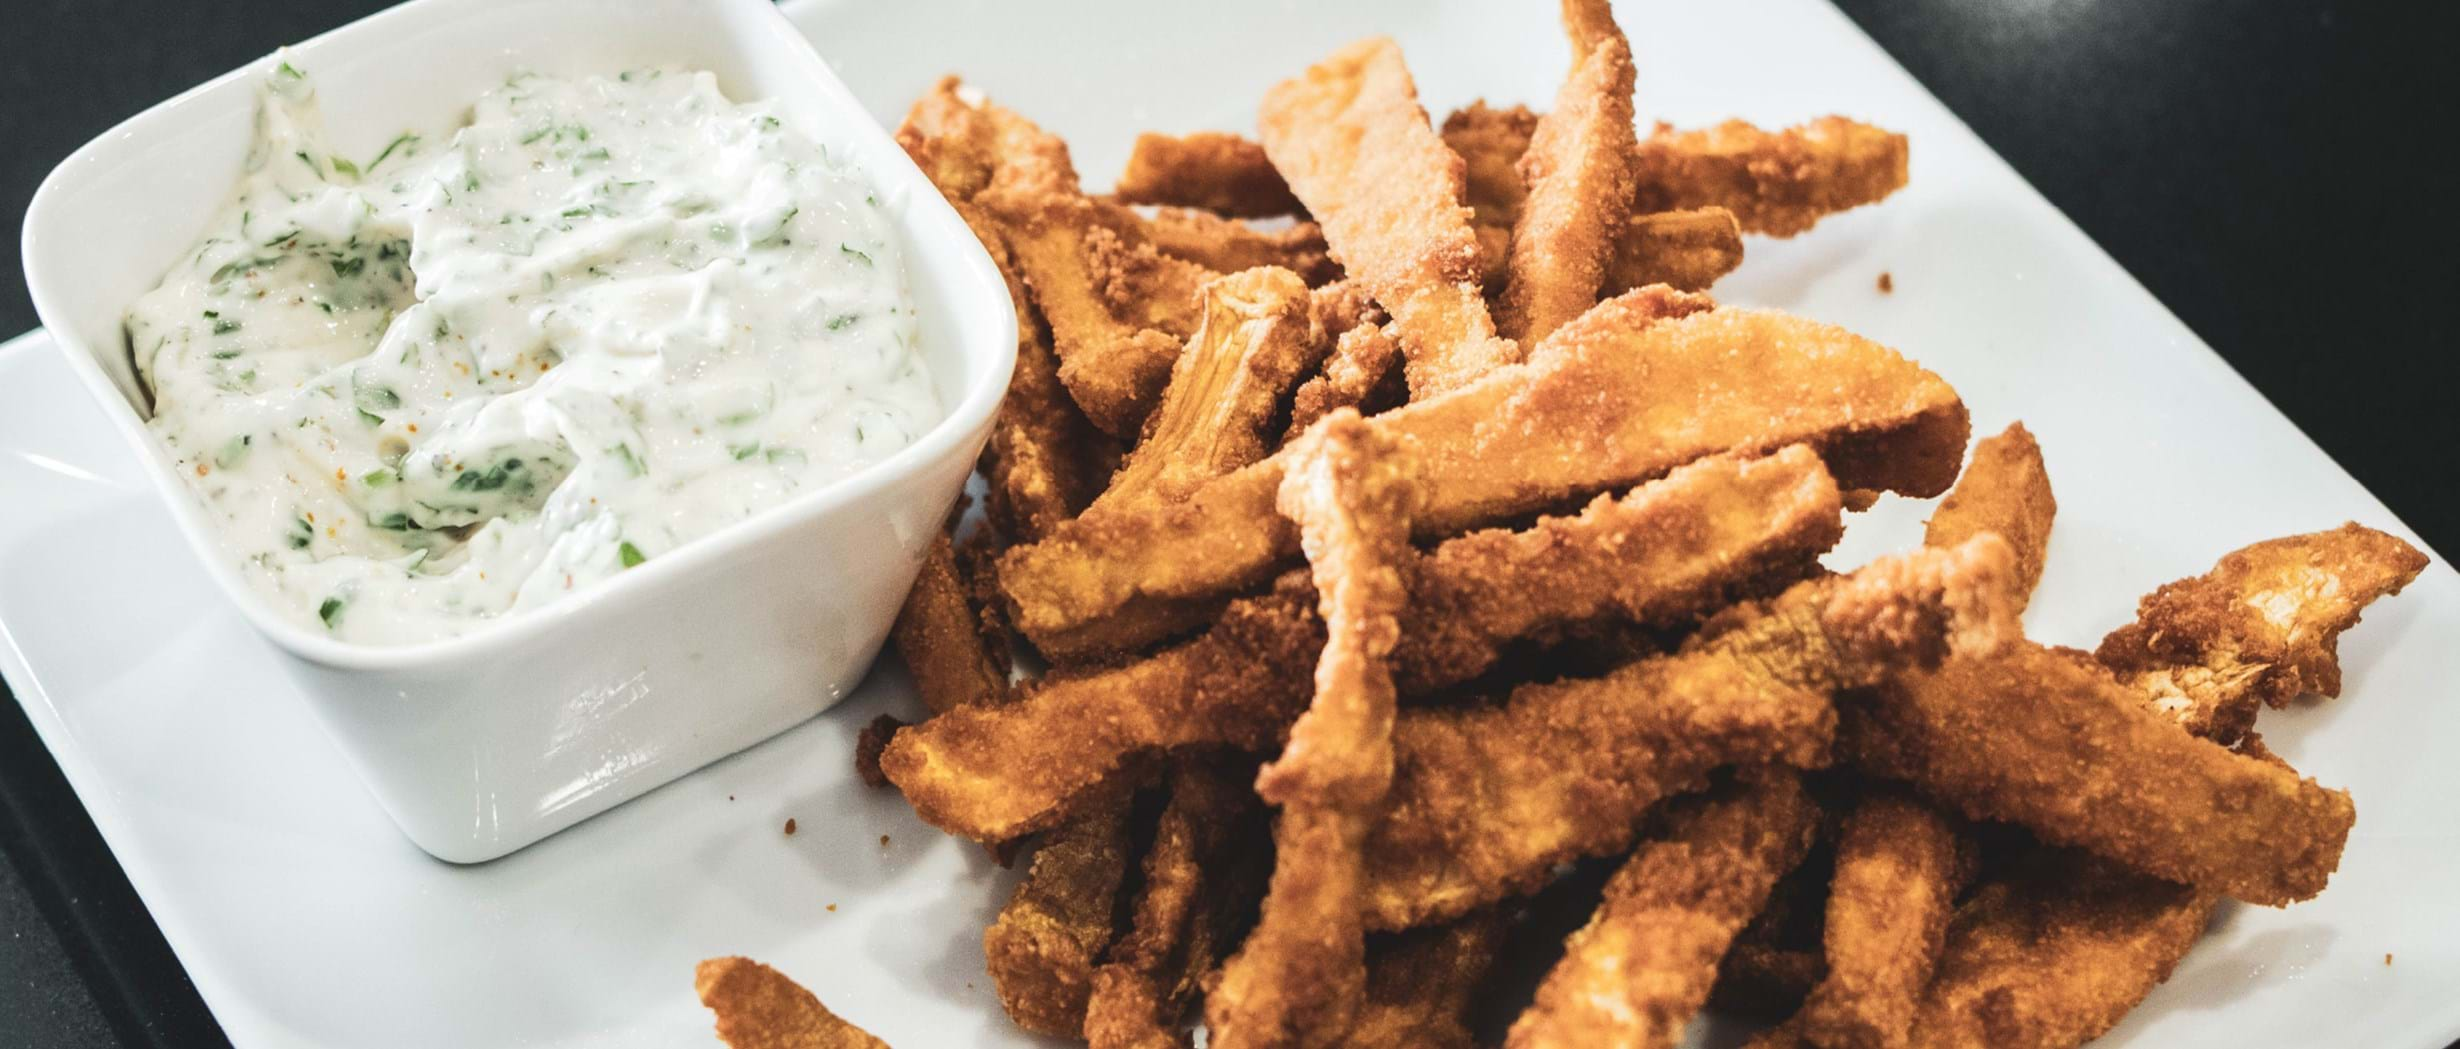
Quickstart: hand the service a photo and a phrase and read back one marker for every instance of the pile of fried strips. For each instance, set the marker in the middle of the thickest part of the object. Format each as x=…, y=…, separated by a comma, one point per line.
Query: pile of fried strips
x=1403, y=527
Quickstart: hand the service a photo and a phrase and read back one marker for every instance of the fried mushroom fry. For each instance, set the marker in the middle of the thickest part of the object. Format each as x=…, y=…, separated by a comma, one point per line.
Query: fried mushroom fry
x=1620, y=395
x=1486, y=801
x=2049, y=739
x=1216, y=171
x=965, y=144
x=1118, y=310
x=1300, y=977
x=757, y=1007
x=1354, y=145
x=1899, y=865
x=1667, y=552
x=939, y=635
x=1042, y=949
x=1254, y=344
x=1420, y=984
x=2261, y=628
x=1684, y=250
x=1638, y=972
x=1578, y=172
x=1363, y=361
x=1200, y=877
x=2006, y=491
x=1775, y=182
x=1228, y=245
x=2056, y=955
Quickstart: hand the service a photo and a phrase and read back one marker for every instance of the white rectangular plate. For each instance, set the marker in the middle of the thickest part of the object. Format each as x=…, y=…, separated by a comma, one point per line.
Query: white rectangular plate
x=308, y=921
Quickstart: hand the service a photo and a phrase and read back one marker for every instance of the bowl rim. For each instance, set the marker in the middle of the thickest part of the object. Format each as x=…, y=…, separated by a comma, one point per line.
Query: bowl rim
x=982, y=387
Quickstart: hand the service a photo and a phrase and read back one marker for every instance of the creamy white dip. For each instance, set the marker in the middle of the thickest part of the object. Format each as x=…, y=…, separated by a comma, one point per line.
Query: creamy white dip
x=470, y=375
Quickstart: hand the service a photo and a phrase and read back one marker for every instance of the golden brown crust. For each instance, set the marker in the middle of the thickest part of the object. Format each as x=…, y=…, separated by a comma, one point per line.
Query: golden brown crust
x=1199, y=875
x=1686, y=250
x=1490, y=143
x=1669, y=551
x=1578, y=170
x=1612, y=399
x=1775, y=182
x=1363, y=361
x=1354, y=145
x=1042, y=949
x=757, y=1007
x=966, y=145
x=1486, y=801
x=1213, y=170
x=2055, y=956
x=1228, y=245
x=2005, y=490
x=2050, y=740
x=1118, y=310
x=939, y=635
x=2262, y=627
x=1899, y=866
x=1253, y=345
x=1300, y=977
x=1420, y=984
x=1638, y=972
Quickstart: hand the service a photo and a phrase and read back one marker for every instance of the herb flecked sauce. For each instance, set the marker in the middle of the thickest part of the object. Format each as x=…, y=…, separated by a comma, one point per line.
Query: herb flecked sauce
x=465, y=377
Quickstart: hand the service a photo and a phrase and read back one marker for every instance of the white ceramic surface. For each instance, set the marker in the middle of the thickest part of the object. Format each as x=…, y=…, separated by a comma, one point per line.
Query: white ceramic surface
x=307, y=922
x=482, y=744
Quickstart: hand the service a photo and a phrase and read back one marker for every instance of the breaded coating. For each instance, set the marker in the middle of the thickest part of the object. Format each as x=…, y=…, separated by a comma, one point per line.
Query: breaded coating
x=1488, y=800
x=1228, y=245
x=1042, y=949
x=1363, y=362
x=1301, y=975
x=1685, y=250
x=1775, y=182
x=2047, y=738
x=1044, y=462
x=1352, y=141
x=1255, y=343
x=1578, y=170
x=1615, y=398
x=1199, y=876
x=966, y=145
x=1899, y=865
x=2262, y=627
x=1638, y=972
x=757, y=1007
x=939, y=635
x=2056, y=955
x=2004, y=490
x=1118, y=310
x=1490, y=143
x=1668, y=552
x=1213, y=170
x=1421, y=983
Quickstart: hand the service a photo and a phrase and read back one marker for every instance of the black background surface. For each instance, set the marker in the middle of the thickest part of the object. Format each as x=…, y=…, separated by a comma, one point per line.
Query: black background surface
x=2271, y=170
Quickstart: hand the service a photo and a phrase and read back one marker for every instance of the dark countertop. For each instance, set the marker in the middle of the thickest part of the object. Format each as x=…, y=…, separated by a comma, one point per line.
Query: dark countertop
x=2266, y=169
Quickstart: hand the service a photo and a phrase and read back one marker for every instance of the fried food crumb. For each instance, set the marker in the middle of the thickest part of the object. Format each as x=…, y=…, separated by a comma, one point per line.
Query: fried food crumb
x=884, y=841
x=790, y=826
x=1887, y=284
x=867, y=748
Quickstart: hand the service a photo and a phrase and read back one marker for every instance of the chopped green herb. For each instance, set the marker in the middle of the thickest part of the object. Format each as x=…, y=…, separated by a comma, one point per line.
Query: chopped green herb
x=370, y=418
x=224, y=355
x=378, y=478
x=629, y=554
x=785, y=455
x=396, y=521
x=345, y=167
x=853, y=253
x=301, y=533
x=331, y=611
x=373, y=398
x=743, y=451
x=233, y=452
x=225, y=326
x=287, y=72
x=349, y=267
x=304, y=158
x=487, y=480
x=844, y=321
x=631, y=460
x=405, y=139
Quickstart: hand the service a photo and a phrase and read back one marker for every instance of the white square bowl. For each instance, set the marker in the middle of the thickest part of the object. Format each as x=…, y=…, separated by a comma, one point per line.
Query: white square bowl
x=479, y=745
